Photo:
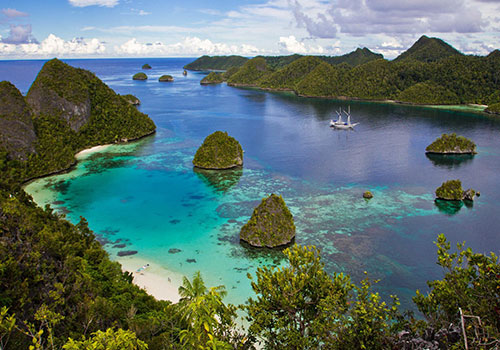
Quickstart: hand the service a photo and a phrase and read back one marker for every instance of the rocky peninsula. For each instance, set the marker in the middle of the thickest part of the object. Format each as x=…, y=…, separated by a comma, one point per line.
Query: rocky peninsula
x=271, y=224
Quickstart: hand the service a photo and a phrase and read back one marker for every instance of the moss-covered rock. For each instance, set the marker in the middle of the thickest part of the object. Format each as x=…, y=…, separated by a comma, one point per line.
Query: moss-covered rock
x=219, y=151
x=367, y=195
x=140, y=76
x=212, y=78
x=493, y=109
x=146, y=66
x=271, y=224
x=17, y=133
x=132, y=99
x=450, y=190
x=166, y=78
x=452, y=144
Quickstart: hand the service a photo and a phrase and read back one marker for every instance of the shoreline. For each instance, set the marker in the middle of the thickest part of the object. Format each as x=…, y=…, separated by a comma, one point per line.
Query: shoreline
x=156, y=280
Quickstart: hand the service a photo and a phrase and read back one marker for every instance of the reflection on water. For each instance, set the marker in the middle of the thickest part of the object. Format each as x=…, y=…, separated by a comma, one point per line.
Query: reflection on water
x=220, y=180
x=450, y=161
x=448, y=207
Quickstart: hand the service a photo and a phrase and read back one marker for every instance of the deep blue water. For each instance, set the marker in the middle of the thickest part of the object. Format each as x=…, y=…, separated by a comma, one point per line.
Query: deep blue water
x=148, y=195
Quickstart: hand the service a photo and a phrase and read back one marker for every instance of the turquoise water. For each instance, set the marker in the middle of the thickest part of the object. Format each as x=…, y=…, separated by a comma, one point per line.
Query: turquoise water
x=147, y=195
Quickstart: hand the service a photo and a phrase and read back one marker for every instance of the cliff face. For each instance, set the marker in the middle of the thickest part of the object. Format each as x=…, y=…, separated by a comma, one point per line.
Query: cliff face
x=17, y=134
x=61, y=90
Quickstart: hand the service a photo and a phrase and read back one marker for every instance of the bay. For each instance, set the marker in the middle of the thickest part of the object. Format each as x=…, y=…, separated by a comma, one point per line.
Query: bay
x=147, y=195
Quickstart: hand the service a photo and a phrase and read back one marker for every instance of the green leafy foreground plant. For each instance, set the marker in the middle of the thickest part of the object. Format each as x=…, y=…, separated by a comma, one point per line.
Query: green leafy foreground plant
x=301, y=307
x=471, y=283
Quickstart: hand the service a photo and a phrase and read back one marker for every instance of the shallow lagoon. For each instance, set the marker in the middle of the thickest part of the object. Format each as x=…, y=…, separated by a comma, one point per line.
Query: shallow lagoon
x=147, y=196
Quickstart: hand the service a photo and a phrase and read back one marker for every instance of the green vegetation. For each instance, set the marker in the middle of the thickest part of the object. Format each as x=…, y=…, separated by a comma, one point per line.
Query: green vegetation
x=288, y=77
x=493, y=109
x=429, y=94
x=450, y=190
x=428, y=50
x=73, y=110
x=132, y=99
x=216, y=63
x=271, y=224
x=355, y=58
x=250, y=73
x=431, y=73
x=219, y=151
x=212, y=78
x=166, y=78
x=140, y=76
x=146, y=66
x=452, y=144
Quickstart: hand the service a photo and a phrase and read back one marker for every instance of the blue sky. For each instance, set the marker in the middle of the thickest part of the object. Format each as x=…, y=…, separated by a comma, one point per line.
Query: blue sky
x=166, y=28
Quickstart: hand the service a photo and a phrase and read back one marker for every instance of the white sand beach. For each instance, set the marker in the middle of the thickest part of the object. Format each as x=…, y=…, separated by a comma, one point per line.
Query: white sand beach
x=91, y=150
x=154, y=279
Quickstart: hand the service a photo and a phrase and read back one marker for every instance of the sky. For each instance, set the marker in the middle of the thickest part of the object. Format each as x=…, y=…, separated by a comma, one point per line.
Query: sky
x=32, y=29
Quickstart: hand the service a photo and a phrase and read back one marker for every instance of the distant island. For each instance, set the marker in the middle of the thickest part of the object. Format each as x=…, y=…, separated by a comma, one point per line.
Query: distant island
x=146, y=66
x=140, y=76
x=452, y=144
x=166, y=78
x=431, y=72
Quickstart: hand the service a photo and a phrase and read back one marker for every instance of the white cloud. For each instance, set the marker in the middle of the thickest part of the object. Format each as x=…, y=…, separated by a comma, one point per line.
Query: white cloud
x=102, y=3
x=19, y=34
x=55, y=46
x=13, y=13
x=190, y=46
x=290, y=44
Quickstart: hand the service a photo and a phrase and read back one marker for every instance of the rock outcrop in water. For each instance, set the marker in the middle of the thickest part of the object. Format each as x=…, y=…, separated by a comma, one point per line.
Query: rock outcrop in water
x=140, y=76
x=271, y=224
x=146, y=66
x=219, y=151
x=367, y=195
x=17, y=133
x=166, y=78
x=452, y=191
x=452, y=144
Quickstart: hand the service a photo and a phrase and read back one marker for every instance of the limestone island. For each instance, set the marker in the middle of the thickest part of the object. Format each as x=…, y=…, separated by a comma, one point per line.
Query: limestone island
x=212, y=78
x=134, y=101
x=146, y=66
x=452, y=191
x=140, y=76
x=367, y=195
x=219, y=151
x=166, y=78
x=271, y=224
x=185, y=72
x=452, y=144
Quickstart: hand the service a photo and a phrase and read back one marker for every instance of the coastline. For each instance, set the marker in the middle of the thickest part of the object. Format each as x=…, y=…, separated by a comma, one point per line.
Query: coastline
x=156, y=280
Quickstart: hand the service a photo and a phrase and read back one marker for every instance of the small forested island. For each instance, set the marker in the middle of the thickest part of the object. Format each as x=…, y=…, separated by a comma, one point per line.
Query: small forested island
x=452, y=190
x=166, y=78
x=146, y=66
x=219, y=151
x=452, y=144
x=367, y=195
x=431, y=72
x=271, y=224
x=212, y=78
x=140, y=76
x=132, y=99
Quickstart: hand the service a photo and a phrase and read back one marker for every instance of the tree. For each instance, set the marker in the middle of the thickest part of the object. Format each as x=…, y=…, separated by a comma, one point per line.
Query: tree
x=287, y=312
x=109, y=340
x=471, y=283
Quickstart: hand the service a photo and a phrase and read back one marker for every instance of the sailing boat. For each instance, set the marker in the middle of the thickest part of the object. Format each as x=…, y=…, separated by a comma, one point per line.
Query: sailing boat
x=338, y=121
x=344, y=126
